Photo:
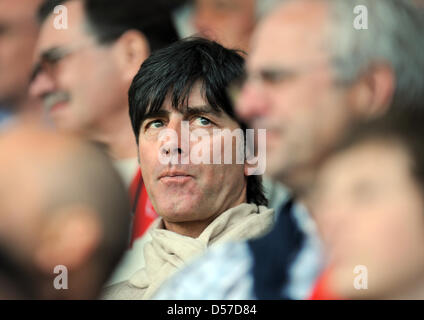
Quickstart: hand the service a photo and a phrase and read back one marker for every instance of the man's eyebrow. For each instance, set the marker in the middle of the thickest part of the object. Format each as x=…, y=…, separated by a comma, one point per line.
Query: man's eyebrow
x=51, y=53
x=155, y=114
x=187, y=112
x=202, y=109
x=4, y=27
x=36, y=69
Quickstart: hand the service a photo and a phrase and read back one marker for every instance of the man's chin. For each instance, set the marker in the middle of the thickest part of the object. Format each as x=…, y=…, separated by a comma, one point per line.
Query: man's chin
x=179, y=210
x=179, y=216
x=67, y=123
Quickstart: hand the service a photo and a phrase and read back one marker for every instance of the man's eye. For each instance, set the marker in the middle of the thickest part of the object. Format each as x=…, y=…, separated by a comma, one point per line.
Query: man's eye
x=155, y=124
x=202, y=121
x=274, y=76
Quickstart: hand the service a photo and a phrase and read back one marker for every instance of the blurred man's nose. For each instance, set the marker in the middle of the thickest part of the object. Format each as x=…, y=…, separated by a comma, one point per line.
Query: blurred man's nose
x=252, y=102
x=41, y=85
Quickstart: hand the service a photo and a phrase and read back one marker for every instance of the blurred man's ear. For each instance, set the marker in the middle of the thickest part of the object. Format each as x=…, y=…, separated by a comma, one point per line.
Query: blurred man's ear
x=255, y=158
x=70, y=238
x=131, y=49
x=372, y=94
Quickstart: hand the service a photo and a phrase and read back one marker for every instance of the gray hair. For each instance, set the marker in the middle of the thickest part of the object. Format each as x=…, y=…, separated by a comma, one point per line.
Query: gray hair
x=394, y=36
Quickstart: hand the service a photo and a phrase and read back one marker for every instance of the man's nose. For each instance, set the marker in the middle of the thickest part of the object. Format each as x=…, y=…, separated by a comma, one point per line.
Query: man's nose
x=252, y=102
x=179, y=146
x=41, y=85
x=171, y=149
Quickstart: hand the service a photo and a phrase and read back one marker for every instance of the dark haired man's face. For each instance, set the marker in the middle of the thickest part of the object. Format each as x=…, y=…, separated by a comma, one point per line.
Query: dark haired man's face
x=370, y=212
x=79, y=82
x=189, y=194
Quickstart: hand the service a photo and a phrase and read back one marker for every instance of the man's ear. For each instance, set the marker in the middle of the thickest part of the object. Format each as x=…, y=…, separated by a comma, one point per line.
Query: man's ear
x=69, y=237
x=372, y=94
x=131, y=49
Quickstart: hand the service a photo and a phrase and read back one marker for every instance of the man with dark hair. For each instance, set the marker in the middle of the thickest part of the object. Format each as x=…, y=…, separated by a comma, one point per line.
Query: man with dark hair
x=179, y=109
x=87, y=54
x=306, y=94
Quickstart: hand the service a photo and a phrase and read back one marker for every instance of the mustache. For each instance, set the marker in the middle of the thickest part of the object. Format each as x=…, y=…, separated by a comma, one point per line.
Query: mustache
x=51, y=99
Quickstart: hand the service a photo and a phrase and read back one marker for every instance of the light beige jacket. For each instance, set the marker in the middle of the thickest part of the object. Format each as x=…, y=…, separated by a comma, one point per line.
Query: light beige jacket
x=167, y=252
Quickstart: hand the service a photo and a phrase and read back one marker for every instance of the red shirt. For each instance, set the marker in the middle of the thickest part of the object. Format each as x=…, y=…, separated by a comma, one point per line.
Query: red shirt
x=321, y=290
x=144, y=213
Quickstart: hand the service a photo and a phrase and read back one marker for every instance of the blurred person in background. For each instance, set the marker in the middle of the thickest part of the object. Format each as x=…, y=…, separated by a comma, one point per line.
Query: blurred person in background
x=83, y=74
x=369, y=207
x=306, y=94
x=18, y=36
x=62, y=203
x=229, y=22
x=200, y=205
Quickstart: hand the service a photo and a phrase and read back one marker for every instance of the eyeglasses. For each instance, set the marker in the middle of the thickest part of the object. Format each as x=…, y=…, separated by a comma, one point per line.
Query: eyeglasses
x=268, y=78
x=50, y=59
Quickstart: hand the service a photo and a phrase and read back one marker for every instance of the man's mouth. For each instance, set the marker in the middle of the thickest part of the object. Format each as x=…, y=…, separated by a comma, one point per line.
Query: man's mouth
x=57, y=106
x=55, y=102
x=175, y=177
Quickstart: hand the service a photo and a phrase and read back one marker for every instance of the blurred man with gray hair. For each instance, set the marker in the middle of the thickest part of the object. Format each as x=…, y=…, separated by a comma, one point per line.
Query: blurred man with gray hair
x=311, y=74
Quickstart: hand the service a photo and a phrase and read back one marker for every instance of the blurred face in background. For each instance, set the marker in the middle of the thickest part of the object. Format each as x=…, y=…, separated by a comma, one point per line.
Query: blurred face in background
x=18, y=35
x=79, y=81
x=370, y=212
x=229, y=22
x=291, y=90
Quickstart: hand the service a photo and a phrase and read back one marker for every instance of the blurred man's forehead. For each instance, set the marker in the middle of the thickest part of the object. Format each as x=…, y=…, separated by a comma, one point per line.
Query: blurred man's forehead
x=51, y=35
x=16, y=10
x=367, y=162
x=288, y=36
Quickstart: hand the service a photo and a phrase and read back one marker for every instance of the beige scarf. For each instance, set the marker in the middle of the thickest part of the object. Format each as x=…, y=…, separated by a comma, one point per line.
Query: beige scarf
x=168, y=251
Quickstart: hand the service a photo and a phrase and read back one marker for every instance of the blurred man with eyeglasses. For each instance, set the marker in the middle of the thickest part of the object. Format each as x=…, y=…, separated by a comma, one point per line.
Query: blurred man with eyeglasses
x=82, y=73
